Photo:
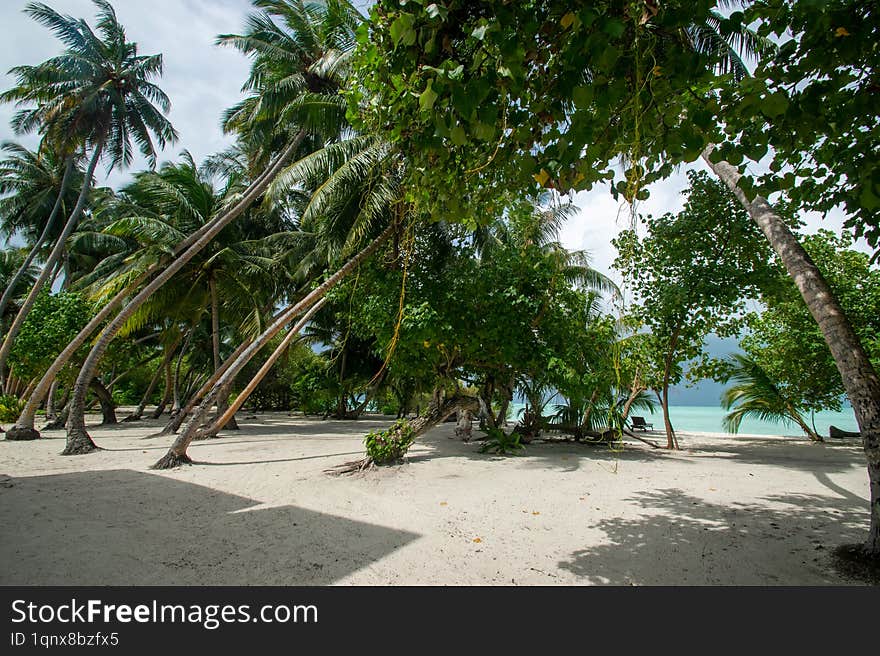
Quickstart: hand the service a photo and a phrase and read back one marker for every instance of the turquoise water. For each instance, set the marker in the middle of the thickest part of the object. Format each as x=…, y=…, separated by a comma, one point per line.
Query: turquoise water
x=708, y=419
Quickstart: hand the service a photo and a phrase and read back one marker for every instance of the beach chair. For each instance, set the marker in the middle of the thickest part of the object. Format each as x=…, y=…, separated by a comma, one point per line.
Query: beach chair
x=639, y=422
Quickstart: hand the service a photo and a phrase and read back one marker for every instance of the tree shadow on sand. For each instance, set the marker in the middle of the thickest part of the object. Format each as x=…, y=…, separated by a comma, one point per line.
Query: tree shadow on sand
x=685, y=540
x=123, y=527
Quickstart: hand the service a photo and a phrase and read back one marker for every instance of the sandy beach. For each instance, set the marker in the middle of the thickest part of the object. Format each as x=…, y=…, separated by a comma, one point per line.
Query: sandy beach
x=259, y=509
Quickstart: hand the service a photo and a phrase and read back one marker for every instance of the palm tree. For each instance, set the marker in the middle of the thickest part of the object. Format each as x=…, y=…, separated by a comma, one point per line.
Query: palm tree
x=97, y=93
x=11, y=266
x=310, y=95
x=34, y=185
x=754, y=394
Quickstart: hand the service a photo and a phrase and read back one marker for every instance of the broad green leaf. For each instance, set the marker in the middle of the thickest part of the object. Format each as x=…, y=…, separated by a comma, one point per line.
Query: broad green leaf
x=428, y=97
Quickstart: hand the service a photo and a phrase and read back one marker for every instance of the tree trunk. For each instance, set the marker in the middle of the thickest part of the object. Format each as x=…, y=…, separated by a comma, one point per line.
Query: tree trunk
x=166, y=393
x=145, y=399
x=224, y=417
x=175, y=384
x=175, y=422
x=78, y=439
x=634, y=391
x=10, y=289
x=62, y=419
x=53, y=259
x=859, y=377
x=108, y=410
x=51, y=410
x=177, y=453
x=671, y=440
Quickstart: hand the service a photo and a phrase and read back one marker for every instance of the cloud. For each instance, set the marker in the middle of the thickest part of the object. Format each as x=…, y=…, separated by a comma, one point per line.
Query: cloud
x=200, y=78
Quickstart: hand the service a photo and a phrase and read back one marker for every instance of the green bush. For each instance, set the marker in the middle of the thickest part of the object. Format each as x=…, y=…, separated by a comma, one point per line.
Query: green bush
x=501, y=443
x=10, y=407
x=389, y=446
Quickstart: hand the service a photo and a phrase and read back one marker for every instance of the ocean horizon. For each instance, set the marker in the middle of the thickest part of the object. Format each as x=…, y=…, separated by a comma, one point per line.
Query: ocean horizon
x=708, y=419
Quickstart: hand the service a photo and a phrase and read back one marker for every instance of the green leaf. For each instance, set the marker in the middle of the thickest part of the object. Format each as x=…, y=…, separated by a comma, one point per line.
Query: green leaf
x=582, y=96
x=402, y=30
x=458, y=136
x=774, y=105
x=428, y=97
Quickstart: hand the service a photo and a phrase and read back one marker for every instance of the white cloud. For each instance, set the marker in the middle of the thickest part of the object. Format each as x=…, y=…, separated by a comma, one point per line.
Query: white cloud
x=200, y=78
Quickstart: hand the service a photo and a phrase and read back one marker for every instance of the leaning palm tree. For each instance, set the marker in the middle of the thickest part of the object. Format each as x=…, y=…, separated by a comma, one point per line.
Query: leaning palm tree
x=98, y=93
x=311, y=103
x=755, y=394
x=35, y=187
x=13, y=274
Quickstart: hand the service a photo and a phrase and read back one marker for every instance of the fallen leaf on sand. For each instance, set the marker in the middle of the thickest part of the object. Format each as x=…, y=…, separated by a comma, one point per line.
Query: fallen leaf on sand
x=536, y=513
x=478, y=540
x=443, y=503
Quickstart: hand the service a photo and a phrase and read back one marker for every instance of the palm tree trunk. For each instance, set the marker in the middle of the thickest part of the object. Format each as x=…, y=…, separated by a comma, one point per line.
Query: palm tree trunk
x=177, y=453
x=175, y=386
x=166, y=394
x=215, y=322
x=10, y=289
x=859, y=377
x=176, y=422
x=224, y=417
x=54, y=257
x=25, y=423
x=145, y=399
x=223, y=400
x=108, y=410
x=78, y=439
x=51, y=409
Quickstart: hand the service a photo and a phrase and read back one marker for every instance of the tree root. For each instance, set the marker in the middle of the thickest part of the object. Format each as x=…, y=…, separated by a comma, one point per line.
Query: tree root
x=353, y=467
x=22, y=433
x=55, y=424
x=172, y=461
x=79, y=443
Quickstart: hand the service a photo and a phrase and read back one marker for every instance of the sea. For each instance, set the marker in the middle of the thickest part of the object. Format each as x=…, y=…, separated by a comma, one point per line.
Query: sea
x=708, y=419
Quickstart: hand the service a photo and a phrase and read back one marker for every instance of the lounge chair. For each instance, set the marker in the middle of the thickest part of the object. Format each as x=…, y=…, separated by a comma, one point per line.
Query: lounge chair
x=639, y=422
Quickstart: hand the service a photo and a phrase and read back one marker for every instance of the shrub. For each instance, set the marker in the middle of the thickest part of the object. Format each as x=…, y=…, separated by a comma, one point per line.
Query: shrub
x=501, y=443
x=10, y=407
x=389, y=446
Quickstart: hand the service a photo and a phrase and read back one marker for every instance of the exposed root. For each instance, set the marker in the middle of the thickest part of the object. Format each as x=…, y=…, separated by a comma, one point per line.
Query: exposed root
x=55, y=424
x=856, y=562
x=171, y=461
x=22, y=433
x=131, y=418
x=79, y=443
x=354, y=467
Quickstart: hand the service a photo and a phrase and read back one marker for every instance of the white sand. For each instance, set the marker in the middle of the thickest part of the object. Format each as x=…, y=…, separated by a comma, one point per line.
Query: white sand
x=750, y=510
